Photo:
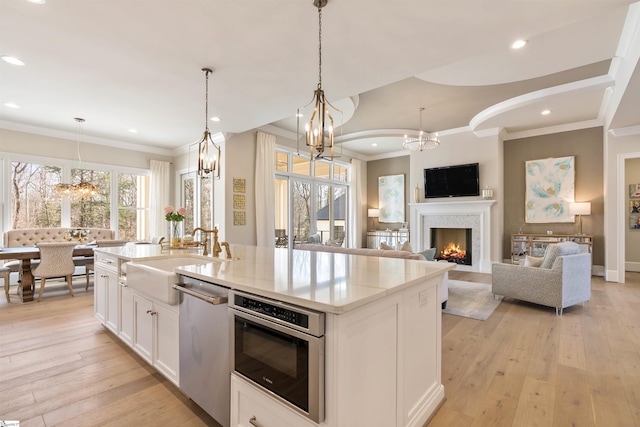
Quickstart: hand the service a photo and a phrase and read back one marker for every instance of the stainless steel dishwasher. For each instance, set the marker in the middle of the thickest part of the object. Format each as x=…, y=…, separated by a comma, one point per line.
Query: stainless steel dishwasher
x=204, y=346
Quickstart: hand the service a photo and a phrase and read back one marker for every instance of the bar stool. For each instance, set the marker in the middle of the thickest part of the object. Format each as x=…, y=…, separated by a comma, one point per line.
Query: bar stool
x=4, y=273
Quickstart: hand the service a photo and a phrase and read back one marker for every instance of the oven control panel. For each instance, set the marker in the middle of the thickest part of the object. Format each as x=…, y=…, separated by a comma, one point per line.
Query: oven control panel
x=271, y=310
x=300, y=318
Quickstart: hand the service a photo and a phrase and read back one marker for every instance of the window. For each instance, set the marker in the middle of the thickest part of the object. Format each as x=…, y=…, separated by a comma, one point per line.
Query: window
x=311, y=199
x=196, y=194
x=34, y=202
x=133, y=207
x=94, y=211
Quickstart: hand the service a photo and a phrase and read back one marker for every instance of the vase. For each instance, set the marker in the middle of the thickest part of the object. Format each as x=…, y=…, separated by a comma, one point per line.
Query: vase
x=176, y=229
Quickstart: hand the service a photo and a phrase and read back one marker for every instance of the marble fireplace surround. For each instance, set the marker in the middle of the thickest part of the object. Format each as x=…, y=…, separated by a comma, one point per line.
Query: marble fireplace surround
x=475, y=214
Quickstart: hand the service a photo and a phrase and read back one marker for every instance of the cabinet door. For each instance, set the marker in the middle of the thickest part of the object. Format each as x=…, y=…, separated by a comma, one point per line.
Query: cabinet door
x=100, y=294
x=166, y=342
x=143, y=327
x=113, y=300
x=126, y=314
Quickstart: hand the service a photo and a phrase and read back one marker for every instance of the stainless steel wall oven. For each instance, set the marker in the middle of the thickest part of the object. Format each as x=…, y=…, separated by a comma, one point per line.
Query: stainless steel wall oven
x=280, y=348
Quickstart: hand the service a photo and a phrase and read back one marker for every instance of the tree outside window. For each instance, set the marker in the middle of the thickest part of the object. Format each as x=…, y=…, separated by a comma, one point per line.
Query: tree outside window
x=34, y=202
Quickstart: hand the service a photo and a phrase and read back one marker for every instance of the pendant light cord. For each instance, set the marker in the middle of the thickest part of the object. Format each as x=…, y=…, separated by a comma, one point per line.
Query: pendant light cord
x=319, y=47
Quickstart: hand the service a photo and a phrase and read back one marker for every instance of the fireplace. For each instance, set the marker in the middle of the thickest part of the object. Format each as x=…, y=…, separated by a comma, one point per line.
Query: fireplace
x=472, y=214
x=453, y=244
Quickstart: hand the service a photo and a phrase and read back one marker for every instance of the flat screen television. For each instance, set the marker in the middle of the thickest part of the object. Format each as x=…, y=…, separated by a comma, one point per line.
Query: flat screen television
x=452, y=181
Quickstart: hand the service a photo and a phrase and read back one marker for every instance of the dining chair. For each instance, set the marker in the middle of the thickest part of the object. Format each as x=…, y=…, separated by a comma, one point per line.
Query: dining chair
x=56, y=260
x=89, y=267
x=4, y=273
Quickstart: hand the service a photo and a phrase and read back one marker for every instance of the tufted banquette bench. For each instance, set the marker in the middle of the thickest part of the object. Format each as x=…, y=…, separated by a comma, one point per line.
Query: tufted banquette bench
x=32, y=236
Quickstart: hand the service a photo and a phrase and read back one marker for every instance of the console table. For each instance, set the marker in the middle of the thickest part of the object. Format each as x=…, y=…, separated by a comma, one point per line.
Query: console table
x=535, y=244
x=390, y=237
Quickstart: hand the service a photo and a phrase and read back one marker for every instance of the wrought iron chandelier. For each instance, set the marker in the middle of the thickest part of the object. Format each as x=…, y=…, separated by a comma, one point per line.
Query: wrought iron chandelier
x=319, y=130
x=83, y=189
x=423, y=141
x=208, y=151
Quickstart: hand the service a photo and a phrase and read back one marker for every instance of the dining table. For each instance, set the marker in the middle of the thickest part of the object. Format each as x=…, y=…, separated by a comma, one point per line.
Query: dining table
x=25, y=254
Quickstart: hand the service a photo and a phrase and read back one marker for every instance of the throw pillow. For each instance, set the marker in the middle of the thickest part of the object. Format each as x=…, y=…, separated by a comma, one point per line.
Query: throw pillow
x=406, y=246
x=558, y=249
x=384, y=246
x=532, y=261
x=429, y=254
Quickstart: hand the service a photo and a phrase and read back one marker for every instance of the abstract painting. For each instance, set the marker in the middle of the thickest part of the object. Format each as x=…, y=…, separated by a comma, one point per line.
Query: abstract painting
x=550, y=185
x=391, y=198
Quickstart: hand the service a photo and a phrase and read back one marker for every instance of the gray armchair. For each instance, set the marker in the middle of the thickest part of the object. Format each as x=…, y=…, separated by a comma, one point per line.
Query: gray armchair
x=562, y=280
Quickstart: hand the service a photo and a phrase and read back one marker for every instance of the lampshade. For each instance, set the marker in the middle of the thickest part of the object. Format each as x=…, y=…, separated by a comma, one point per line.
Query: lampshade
x=580, y=208
x=373, y=213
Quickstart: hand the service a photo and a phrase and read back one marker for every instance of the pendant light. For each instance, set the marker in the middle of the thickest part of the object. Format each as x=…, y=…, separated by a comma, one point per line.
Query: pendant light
x=422, y=142
x=208, y=151
x=320, y=129
x=83, y=189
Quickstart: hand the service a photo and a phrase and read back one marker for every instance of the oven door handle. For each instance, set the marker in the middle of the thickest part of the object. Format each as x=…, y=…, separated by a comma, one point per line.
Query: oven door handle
x=217, y=300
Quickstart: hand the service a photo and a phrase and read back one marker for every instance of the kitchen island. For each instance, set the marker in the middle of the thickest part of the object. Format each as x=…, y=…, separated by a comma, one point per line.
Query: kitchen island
x=382, y=337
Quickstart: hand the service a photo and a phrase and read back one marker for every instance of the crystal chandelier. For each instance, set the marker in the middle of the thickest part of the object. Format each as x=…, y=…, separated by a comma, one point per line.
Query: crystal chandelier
x=208, y=151
x=83, y=189
x=319, y=130
x=422, y=142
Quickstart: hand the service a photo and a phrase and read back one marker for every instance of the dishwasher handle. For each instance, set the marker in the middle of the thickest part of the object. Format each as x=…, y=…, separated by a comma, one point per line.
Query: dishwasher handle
x=217, y=300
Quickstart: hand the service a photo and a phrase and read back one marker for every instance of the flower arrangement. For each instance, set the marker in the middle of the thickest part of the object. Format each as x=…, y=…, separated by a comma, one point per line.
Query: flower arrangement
x=173, y=214
x=175, y=218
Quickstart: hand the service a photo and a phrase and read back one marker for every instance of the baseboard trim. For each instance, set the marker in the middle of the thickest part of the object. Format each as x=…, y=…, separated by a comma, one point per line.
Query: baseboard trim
x=632, y=266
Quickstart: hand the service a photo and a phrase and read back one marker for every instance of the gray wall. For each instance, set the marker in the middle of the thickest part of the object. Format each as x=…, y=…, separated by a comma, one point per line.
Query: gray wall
x=587, y=147
x=392, y=166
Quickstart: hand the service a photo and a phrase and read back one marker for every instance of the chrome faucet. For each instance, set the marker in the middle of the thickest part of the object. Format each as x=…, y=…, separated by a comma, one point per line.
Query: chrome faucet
x=206, y=239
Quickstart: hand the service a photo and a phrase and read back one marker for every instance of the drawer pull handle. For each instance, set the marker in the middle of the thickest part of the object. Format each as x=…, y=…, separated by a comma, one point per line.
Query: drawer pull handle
x=151, y=312
x=253, y=421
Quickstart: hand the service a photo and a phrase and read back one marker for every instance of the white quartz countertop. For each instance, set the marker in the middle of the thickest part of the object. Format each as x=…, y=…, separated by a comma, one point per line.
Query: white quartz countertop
x=324, y=281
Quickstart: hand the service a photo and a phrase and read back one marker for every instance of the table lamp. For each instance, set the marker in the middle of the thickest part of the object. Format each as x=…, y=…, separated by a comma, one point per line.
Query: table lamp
x=373, y=213
x=580, y=208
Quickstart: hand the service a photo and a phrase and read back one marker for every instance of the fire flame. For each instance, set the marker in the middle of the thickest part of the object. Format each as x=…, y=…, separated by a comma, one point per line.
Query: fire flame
x=452, y=250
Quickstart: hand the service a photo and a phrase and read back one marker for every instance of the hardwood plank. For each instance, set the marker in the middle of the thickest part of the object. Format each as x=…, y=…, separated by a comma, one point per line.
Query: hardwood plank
x=524, y=366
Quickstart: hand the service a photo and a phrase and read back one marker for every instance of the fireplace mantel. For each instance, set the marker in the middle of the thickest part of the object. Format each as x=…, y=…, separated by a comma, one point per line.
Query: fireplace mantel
x=474, y=214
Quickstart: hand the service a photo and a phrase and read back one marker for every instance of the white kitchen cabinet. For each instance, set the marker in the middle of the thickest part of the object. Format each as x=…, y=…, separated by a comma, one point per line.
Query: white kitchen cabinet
x=125, y=331
x=106, y=290
x=251, y=407
x=155, y=335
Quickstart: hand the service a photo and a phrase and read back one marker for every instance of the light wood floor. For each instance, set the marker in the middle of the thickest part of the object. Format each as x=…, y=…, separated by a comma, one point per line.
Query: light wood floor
x=523, y=366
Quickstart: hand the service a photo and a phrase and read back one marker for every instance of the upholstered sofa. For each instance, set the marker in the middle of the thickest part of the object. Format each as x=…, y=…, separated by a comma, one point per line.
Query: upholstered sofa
x=560, y=279
x=32, y=236
x=376, y=252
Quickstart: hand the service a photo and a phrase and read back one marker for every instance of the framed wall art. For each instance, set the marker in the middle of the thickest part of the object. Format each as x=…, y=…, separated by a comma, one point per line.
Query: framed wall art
x=634, y=191
x=391, y=198
x=550, y=187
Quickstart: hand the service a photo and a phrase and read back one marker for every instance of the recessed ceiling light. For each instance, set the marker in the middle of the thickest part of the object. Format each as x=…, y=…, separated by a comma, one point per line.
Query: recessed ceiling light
x=12, y=60
x=518, y=44
x=545, y=112
x=37, y=1
x=11, y=105
x=133, y=130
x=215, y=119
x=374, y=144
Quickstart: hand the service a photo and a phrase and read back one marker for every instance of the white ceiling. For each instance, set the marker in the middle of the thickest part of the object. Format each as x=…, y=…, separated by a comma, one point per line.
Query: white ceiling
x=123, y=64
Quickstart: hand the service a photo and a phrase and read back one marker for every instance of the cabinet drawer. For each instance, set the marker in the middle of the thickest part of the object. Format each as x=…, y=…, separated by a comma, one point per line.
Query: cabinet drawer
x=106, y=260
x=251, y=407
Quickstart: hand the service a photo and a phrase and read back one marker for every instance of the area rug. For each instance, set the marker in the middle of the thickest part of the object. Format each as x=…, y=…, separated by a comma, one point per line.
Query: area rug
x=470, y=299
